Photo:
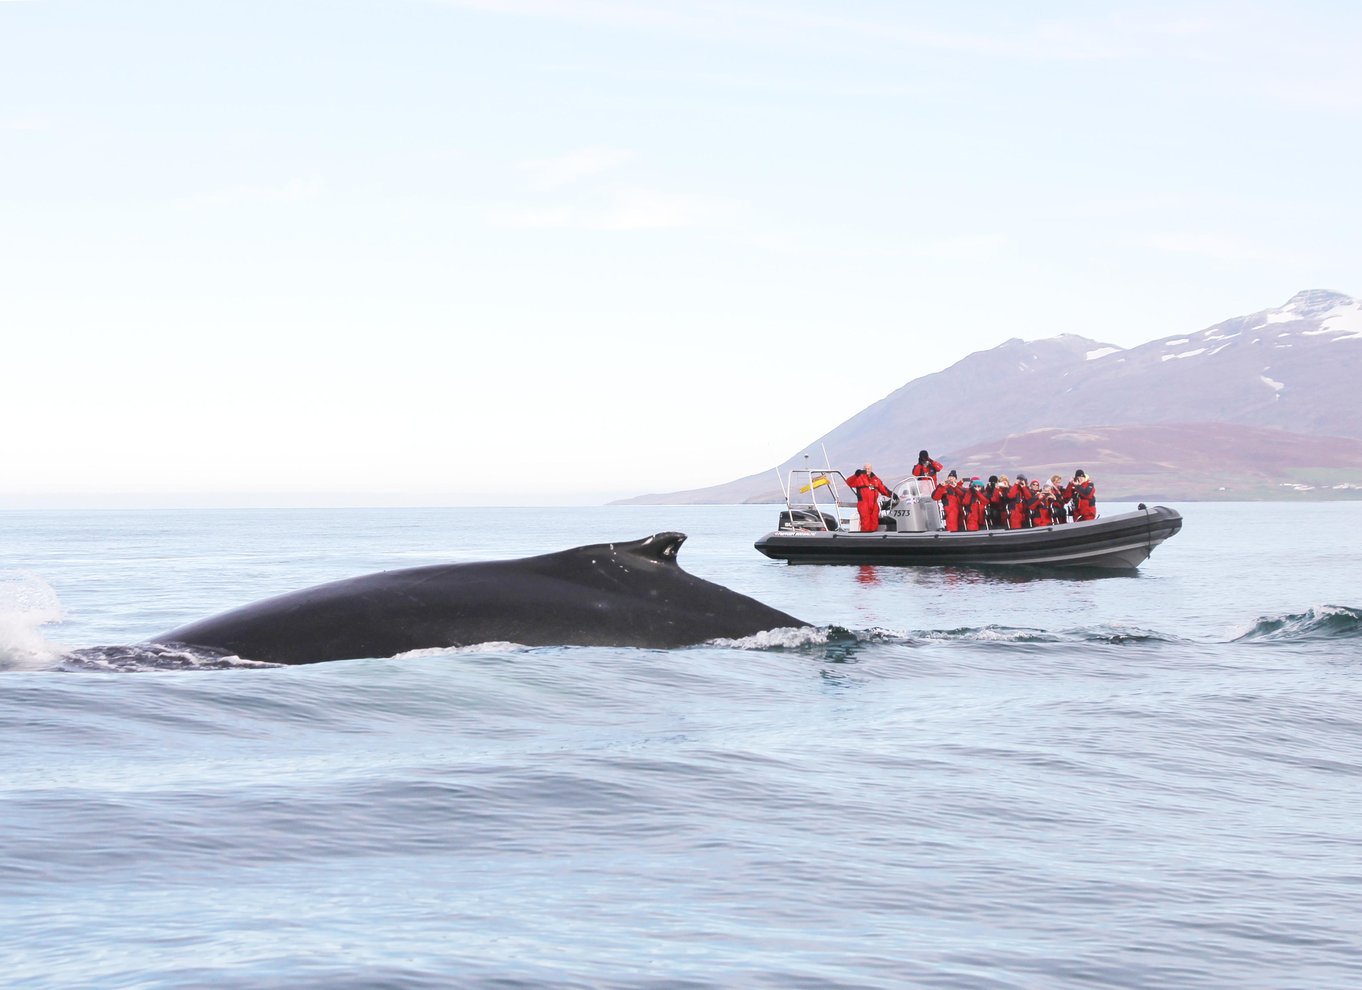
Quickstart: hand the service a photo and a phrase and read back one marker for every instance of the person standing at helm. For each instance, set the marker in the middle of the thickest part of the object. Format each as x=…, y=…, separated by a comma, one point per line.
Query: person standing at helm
x=868, y=488
x=926, y=468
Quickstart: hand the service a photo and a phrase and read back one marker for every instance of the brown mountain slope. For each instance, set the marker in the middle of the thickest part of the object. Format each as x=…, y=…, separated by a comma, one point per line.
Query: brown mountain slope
x=1180, y=461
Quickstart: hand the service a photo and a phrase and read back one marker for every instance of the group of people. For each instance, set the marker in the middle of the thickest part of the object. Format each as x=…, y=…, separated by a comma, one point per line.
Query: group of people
x=969, y=504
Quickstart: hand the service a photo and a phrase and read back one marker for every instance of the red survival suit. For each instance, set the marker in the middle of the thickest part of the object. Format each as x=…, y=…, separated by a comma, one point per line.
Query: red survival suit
x=1038, y=508
x=1016, y=505
x=868, y=488
x=974, y=507
x=1084, y=495
x=995, y=498
x=927, y=469
x=948, y=495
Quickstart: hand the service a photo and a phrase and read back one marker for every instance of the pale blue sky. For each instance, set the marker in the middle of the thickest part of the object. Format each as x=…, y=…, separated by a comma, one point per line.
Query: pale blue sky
x=502, y=250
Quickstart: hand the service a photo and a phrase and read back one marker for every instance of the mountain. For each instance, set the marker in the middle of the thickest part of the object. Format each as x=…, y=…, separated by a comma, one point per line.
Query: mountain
x=1278, y=385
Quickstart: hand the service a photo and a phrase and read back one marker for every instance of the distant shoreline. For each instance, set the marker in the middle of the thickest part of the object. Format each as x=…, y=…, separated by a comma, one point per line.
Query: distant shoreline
x=342, y=502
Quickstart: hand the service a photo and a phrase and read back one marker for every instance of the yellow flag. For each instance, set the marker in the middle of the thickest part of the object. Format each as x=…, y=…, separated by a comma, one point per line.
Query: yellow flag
x=821, y=479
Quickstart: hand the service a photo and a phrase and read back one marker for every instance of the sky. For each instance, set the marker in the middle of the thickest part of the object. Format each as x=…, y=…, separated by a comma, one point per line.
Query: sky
x=508, y=251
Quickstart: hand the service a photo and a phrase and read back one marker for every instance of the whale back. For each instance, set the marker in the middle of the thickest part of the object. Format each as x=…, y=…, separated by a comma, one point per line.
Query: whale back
x=610, y=594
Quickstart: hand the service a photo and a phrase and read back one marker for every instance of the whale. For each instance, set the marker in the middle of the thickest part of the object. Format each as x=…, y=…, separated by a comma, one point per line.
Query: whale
x=610, y=594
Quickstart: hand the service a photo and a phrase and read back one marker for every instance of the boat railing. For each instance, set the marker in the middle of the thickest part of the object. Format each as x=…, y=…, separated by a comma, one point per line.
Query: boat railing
x=821, y=500
x=817, y=500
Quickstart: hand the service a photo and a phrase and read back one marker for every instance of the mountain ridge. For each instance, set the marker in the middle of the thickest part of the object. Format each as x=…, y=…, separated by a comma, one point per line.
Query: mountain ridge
x=1288, y=370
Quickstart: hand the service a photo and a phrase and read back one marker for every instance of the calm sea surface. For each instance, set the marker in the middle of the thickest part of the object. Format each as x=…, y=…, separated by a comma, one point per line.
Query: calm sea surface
x=957, y=780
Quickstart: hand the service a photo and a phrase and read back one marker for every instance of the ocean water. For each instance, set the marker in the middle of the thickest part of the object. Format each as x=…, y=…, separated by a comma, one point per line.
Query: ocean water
x=952, y=779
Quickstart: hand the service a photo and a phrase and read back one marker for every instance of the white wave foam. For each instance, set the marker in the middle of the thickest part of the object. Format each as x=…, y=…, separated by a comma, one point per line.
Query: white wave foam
x=1317, y=621
x=152, y=657
x=494, y=646
x=795, y=637
x=786, y=638
x=985, y=634
x=27, y=603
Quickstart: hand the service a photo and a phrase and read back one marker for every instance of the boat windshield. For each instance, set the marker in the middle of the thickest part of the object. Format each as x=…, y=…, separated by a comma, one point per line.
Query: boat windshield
x=914, y=488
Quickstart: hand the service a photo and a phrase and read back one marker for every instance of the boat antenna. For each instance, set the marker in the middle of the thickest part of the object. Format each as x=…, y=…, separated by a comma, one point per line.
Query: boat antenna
x=827, y=462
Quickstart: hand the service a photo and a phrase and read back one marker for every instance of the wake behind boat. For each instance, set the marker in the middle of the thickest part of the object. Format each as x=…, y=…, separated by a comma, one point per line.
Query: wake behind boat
x=819, y=525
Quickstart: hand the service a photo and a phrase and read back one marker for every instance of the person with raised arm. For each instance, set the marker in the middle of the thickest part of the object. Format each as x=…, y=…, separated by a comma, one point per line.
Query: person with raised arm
x=1016, y=503
x=926, y=468
x=948, y=493
x=1083, y=493
x=868, y=488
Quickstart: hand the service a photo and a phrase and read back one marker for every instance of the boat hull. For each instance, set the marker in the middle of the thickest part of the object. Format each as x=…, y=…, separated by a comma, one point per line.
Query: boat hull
x=1121, y=542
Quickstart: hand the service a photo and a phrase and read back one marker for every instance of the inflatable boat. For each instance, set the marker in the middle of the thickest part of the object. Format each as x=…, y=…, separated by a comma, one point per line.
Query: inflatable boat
x=819, y=525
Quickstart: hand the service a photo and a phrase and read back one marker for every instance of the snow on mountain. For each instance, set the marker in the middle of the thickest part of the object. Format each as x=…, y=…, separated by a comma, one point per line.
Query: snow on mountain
x=1306, y=352
x=1292, y=368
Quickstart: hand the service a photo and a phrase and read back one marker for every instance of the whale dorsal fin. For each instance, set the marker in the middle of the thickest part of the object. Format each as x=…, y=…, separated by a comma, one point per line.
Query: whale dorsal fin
x=660, y=547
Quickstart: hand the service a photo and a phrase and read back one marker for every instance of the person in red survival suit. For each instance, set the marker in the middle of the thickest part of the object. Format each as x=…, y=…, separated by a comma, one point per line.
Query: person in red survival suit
x=974, y=506
x=1016, y=503
x=948, y=494
x=926, y=468
x=868, y=488
x=1002, y=505
x=993, y=501
x=1038, y=505
x=1084, y=495
x=1058, y=507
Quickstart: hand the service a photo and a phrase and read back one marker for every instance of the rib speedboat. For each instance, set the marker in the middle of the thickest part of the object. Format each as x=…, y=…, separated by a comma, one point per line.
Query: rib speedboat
x=819, y=525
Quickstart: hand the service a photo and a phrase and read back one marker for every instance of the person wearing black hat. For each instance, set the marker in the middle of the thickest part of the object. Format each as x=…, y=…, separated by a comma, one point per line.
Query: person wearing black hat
x=926, y=467
x=994, y=494
x=1083, y=493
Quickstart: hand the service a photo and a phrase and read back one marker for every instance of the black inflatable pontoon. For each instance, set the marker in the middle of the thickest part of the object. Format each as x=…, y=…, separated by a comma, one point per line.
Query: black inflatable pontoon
x=910, y=536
